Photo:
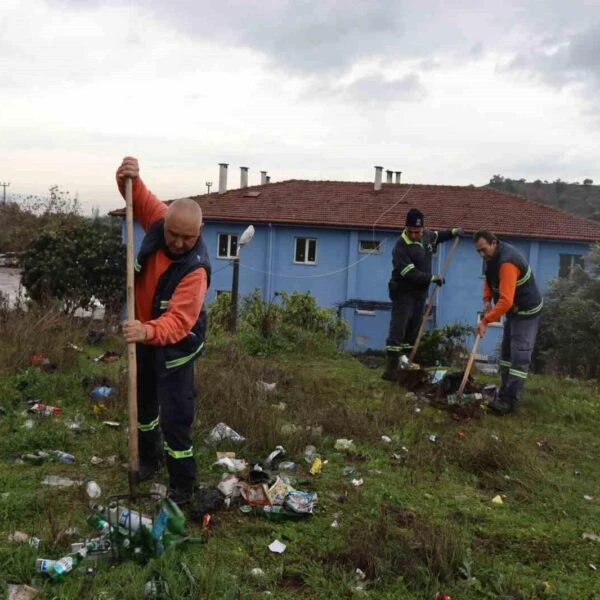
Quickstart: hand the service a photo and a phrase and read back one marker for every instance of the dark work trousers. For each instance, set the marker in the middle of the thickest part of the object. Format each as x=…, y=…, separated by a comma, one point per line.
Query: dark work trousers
x=517, y=346
x=407, y=312
x=166, y=404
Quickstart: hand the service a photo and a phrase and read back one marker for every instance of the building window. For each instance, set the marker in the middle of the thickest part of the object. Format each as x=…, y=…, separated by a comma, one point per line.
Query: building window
x=566, y=263
x=306, y=251
x=227, y=245
x=369, y=247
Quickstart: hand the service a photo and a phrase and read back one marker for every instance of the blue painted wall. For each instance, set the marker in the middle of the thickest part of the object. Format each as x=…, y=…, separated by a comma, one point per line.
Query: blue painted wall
x=342, y=272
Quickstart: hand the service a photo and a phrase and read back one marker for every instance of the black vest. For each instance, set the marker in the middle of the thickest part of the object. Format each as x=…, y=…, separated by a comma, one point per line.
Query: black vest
x=189, y=348
x=528, y=300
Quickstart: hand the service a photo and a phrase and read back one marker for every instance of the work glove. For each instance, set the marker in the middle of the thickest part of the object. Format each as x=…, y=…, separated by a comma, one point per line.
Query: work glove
x=439, y=281
x=456, y=231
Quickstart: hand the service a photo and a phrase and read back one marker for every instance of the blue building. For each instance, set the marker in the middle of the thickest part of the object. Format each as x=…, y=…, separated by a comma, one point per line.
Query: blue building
x=335, y=239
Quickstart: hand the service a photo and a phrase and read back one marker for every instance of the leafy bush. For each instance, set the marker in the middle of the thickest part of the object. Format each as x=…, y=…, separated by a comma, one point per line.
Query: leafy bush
x=567, y=342
x=267, y=328
x=443, y=346
x=81, y=261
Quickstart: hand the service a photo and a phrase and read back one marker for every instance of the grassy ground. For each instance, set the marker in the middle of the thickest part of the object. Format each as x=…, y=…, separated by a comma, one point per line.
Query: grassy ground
x=422, y=522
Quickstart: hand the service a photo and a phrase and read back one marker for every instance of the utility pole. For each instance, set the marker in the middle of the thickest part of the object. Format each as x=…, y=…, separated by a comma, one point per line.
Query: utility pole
x=4, y=185
x=208, y=186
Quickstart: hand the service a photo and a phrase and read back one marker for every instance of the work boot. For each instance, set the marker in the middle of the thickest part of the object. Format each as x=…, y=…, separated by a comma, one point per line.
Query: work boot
x=182, y=494
x=148, y=470
x=390, y=372
x=500, y=407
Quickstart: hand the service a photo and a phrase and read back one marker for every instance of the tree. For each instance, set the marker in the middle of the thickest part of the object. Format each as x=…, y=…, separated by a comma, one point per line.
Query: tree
x=588, y=181
x=81, y=261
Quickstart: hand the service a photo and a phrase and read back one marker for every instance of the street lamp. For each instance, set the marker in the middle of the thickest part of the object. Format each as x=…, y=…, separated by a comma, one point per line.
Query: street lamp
x=244, y=239
x=208, y=186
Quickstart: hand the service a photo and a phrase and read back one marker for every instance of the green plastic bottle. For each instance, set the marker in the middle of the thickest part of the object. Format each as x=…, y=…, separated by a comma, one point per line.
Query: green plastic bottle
x=176, y=520
x=66, y=564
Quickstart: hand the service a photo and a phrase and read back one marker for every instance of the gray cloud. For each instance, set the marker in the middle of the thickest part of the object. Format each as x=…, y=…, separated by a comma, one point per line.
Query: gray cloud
x=374, y=89
x=562, y=60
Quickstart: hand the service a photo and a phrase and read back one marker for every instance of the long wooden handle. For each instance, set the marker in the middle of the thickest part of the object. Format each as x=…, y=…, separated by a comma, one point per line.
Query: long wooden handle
x=131, y=357
x=431, y=300
x=465, y=378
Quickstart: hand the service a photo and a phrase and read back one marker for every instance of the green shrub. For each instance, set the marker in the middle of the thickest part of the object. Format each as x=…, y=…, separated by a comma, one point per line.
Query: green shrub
x=443, y=346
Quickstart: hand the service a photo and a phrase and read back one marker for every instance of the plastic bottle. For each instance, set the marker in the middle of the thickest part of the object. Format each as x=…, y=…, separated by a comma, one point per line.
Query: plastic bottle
x=42, y=565
x=63, y=457
x=45, y=409
x=176, y=521
x=66, y=564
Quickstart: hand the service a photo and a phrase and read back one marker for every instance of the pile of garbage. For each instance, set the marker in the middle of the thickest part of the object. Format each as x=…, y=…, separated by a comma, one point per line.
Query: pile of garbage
x=266, y=489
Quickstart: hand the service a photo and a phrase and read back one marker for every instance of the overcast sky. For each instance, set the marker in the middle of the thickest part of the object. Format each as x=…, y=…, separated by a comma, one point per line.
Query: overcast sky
x=447, y=92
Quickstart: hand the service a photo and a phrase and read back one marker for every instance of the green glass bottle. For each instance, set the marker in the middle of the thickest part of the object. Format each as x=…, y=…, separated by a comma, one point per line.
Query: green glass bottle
x=66, y=564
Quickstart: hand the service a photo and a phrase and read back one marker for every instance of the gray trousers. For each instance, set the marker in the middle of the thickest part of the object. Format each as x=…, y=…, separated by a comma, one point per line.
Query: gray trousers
x=517, y=346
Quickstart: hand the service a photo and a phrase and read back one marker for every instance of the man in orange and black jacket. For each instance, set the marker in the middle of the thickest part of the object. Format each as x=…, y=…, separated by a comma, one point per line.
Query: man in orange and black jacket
x=510, y=284
x=171, y=280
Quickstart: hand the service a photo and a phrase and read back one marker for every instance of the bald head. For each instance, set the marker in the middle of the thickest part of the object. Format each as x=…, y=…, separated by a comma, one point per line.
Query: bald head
x=183, y=221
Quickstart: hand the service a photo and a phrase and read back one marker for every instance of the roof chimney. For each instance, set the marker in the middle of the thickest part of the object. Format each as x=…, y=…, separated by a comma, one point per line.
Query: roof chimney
x=263, y=177
x=389, y=176
x=398, y=173
x=223, y=177
x=243, y=177
x=268, y=179
x=378, y=174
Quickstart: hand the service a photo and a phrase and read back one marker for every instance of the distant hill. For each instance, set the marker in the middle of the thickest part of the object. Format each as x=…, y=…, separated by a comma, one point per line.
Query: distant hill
x=580, y=198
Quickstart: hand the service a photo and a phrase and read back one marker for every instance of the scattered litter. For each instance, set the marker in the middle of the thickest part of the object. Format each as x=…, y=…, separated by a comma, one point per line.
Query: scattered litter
x=93, y=490
x=439, y=596
x=590, y=536
x=309, y=454
x=22, y=592
x=96, y=460
x=256, y=572
x=277, y=547
x=28, y=424
x=41, y=360
x=438, y=376
x=267, y=388
x=289, y=429
x=497, y=500
x=108, y=357
x=18, y=537
x=113, y=424
x=234, y=465
x=228, y=485
x=417, y=409
x=588, y=498
x=433, y=437
x=386, y=439
x=357, y=482
x=257, y=474
x=159, y=489
x=221, y=431
x=255, y=495
x=460, y=435
x=593, y=567
x=360, y=574
x=281, y=406
x=315, y=431
x=278, y=452
x=315, y=467
x=344, y=444
x=287, y=465
x=335, y=524
x=495, y=437
x=410, y=396
x=278, y=491
x=44, y=409
x=349, y=471
x=57, y=481
x=72, y=346
x=102, y=392
x=301, y=502
x=156, y=589
x=209, y=500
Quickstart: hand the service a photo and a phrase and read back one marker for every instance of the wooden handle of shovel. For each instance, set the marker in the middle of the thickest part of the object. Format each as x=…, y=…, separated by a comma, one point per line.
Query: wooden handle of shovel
x=432, y=300
x=131, y=356
x=465, y=378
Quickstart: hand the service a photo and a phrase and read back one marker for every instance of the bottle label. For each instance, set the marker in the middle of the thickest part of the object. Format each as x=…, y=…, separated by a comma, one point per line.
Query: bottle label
x=64, y=565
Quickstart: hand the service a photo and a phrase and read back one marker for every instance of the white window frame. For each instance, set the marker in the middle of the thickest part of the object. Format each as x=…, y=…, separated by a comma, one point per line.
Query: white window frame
x=494, y=324
x=362, y=250
x=306, y=242
x=230, y=236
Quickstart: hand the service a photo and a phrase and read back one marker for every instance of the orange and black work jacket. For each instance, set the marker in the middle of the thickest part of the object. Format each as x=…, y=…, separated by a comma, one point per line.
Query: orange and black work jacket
x=171, y=356
x=411, y=261
x=510, y=282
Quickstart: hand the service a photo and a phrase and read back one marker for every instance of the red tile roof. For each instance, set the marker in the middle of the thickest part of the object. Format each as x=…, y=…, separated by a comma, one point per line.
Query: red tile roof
x=358, y=205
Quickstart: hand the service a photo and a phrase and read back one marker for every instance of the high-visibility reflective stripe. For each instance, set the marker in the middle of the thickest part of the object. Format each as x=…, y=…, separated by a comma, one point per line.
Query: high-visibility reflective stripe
x=525, y=277
x=532, y=311
x=178, y=362
x=394, y=348
x=408, y=240
x=189, y=453
x=137, y=266
x=505, y=363
x=164, y=303
x=515, y=373
x=407, y=269
x=149, y=426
